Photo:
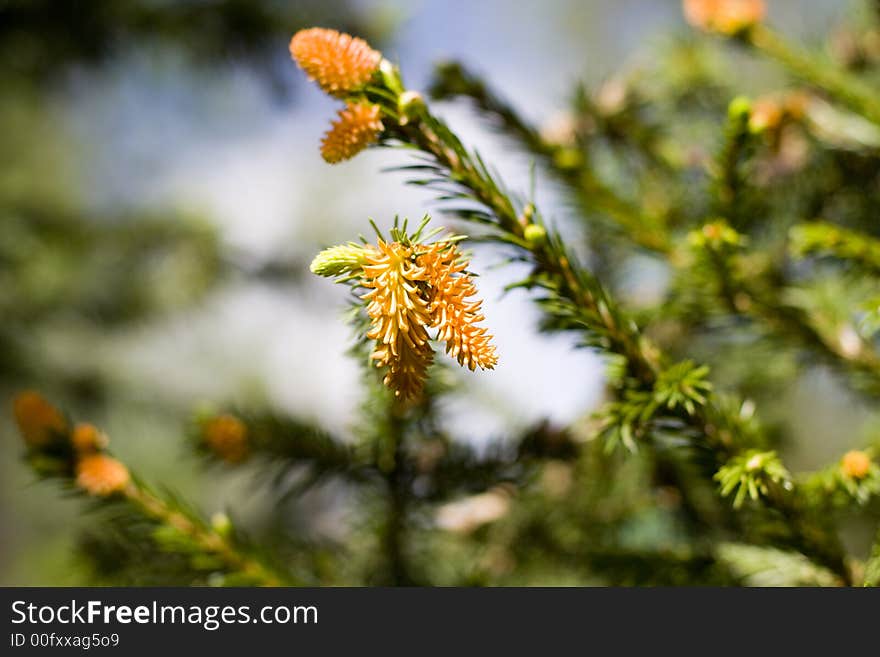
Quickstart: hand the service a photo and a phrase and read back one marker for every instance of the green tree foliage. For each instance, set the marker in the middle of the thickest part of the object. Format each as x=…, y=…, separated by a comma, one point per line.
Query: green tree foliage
x=763, y=213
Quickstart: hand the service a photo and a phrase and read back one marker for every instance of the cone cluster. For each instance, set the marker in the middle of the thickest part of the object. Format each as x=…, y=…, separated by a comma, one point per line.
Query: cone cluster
x=414, y=288
x=45, y=431
x=341, y=65
x=356, y=127
x=338, y=62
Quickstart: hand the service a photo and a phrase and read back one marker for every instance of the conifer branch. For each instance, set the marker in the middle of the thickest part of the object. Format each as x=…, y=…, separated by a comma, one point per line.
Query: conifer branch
x=204, y=538
x=281, y=443
x=849, y=485
x=727, y=176
x=77, y=456
x=824, y=239
x=671, y=481
x=758, y=292
x=569, y=163
x=850, y=90
x=749, y=291
x=576, y=300
x=739, y=296
x=584, y=302
x=659, y=403
x=394, y=530
x=762, y=566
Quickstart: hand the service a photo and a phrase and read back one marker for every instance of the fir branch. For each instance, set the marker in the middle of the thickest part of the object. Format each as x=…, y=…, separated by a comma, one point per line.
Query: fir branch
x=727, y=176
x=576, y=300
x=204, y=538
x=390, y=452
x=452, y=79
x=281, y=443
x=755, y=292
x=77, y=457
x=848, y=484
x=568, y=162
x=728, y=182
x=847, y=88
x=582, y=301
x=824, y=239
x=451, y=469
x=763, y=566
x=758, y=292
x=668, y=406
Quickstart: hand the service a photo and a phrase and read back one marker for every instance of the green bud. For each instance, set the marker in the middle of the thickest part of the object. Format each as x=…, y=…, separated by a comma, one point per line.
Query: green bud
x=739, y=108
x=409, y=104
x=221, y=524
x=535, y=234
x=390, y=76
x=715, y=234
x=339, y=260
x=568, y=158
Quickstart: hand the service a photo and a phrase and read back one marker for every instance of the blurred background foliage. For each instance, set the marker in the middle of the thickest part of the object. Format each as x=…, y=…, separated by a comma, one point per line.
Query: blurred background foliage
x=161, y=194
x=77, y=276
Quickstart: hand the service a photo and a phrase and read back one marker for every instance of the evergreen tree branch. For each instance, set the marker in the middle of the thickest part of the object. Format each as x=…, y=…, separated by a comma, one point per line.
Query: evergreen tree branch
x=850, y=90
x=282, y=443
x=762, y=566
x=849, y=484
x=824, y=239
x=750, y=284
x=758, y=293
x=203, y=537
x=728, y=182
x=556, y=269
x=387, y=427
x=576, y=300
x=569, y=163
x=77, y=457
x=453, y=468
x=727, y=178
x=394, y=531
